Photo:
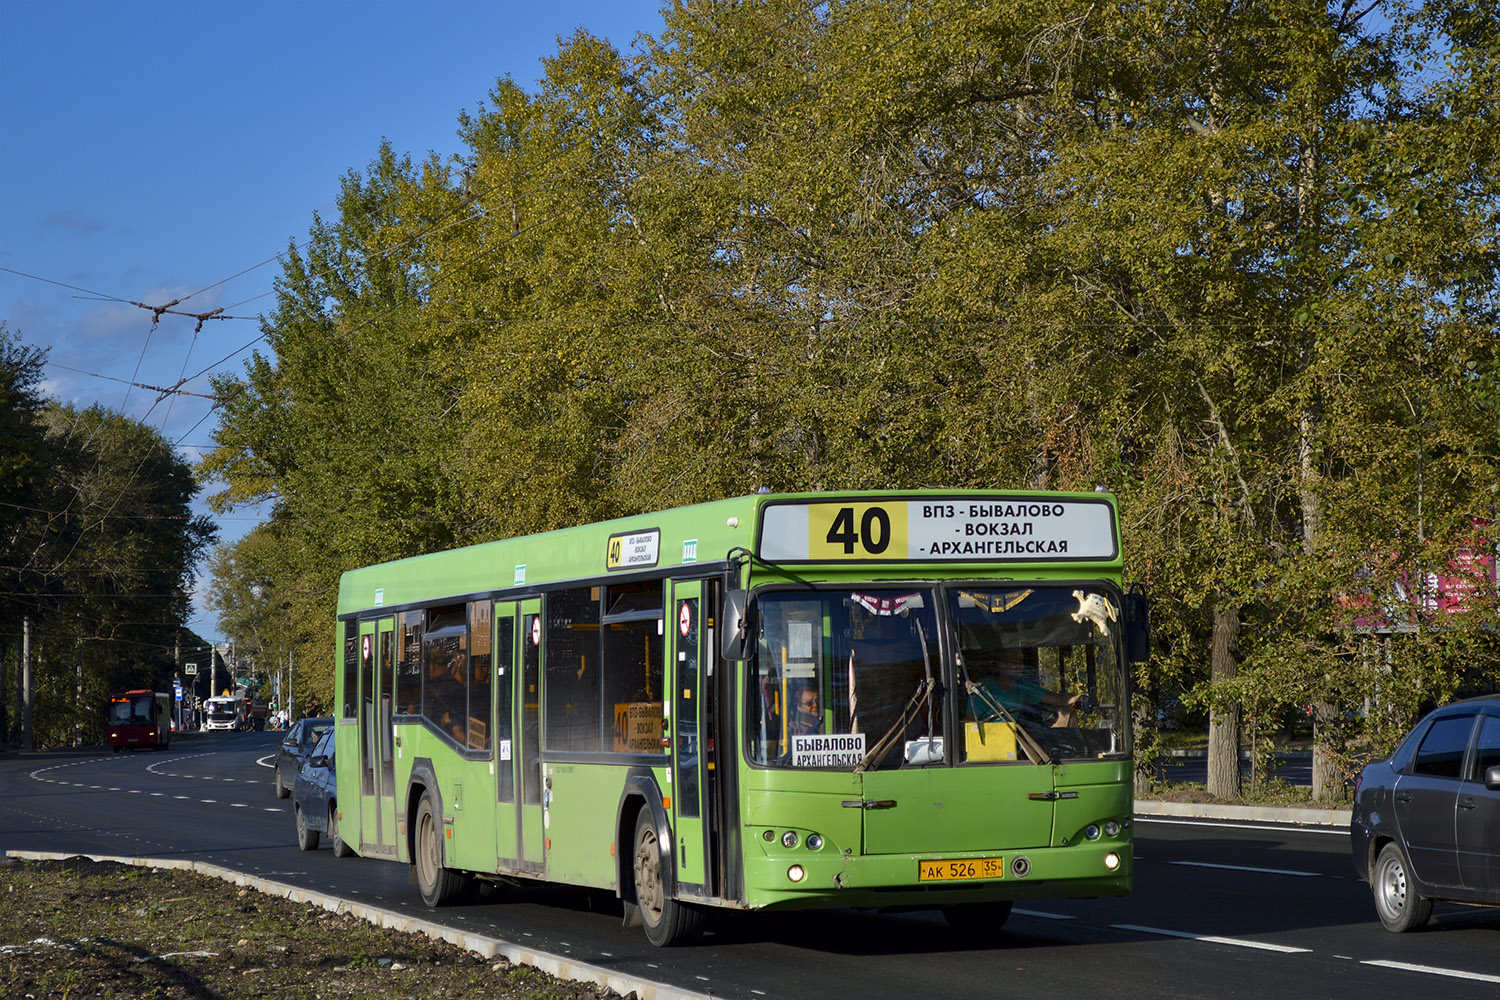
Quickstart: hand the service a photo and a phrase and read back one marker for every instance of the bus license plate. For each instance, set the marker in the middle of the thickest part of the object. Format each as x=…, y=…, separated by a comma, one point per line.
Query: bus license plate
x=960, y=870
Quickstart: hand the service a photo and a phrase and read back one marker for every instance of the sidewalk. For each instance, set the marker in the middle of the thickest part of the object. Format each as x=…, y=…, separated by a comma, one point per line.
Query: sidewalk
x=1321, y=818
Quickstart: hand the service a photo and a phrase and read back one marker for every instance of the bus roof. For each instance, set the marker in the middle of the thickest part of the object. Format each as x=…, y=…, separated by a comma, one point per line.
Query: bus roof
x=908, y=527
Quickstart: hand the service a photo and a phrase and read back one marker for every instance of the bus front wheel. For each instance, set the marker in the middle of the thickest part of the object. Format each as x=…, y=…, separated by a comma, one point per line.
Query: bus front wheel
x=666, y=921
x=977, y=919
x=439, y=885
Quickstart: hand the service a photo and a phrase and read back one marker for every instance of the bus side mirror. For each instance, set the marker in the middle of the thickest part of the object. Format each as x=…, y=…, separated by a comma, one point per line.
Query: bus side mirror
x=1137, y=626
x=736, y=630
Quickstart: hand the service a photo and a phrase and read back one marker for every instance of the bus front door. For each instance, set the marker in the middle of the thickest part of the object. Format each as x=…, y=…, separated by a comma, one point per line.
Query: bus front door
x=689, y=760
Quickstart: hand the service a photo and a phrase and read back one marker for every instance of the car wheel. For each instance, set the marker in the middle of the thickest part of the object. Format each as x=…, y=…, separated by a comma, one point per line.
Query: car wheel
x=281, y=790
x=1397, y=903
x=307, y=838
x=438, y=885
x=340, y=849
x=666, y=921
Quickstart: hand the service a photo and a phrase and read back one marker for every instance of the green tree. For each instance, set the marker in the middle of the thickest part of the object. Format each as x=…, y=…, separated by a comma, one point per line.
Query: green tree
x=1236, y=263
x=345, y=430
x=23, y=473
x=110, y=558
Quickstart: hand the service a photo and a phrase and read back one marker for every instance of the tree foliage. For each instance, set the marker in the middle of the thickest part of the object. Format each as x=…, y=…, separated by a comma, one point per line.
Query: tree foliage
x=100, y=548
x=1235, y=262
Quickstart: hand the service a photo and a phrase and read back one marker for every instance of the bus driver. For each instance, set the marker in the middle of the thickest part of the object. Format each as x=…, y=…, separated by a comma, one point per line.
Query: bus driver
x=1015, y=692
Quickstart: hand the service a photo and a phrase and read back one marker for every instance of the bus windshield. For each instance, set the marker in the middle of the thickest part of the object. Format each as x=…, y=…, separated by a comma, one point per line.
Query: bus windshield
x=876, y=678
x=126, y=708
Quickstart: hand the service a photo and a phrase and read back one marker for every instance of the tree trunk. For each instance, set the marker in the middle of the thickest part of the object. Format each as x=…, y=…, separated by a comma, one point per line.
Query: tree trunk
x=1145, y=736
x=1325, y=771
x=1224, y=725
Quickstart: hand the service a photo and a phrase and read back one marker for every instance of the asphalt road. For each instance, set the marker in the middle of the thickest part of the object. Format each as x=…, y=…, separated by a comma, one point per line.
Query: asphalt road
x=1220, y=910
x=1294, y=769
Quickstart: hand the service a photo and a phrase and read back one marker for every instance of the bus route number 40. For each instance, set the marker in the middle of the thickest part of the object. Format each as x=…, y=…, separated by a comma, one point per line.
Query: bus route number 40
x=873, y=533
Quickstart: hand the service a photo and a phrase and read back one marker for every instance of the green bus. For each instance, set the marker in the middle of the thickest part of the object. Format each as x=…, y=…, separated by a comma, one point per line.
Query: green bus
x=891, y=700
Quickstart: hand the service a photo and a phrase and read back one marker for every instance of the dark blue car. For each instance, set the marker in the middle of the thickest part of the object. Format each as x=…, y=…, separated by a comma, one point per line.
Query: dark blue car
x=1424, y=819
x=315, y=799
x=295, y=748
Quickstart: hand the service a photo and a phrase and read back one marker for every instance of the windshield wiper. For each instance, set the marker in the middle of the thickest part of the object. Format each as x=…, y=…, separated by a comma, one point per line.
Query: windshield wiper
x=923, y=694
x=883, y=746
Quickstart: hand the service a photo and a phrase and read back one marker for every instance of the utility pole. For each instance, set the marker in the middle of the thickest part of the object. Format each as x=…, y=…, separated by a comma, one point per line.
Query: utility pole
x=26, y=685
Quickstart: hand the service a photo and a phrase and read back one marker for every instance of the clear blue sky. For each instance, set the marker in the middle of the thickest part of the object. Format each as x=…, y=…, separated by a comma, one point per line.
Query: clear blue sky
x=150, y=150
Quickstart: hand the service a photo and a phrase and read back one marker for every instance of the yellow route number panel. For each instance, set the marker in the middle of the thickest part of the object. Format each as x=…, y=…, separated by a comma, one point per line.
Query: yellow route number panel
x=856, y=531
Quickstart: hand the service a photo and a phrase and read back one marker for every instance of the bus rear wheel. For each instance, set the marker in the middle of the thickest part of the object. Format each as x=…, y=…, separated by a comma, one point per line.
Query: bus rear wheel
x=666, y=921
x=438, y=885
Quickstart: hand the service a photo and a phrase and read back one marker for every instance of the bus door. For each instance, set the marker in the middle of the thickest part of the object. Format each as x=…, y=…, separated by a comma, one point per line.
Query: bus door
x=503, y=728
x=909, y=789
x=377, y=677
x=692, y=767
x=526, y=748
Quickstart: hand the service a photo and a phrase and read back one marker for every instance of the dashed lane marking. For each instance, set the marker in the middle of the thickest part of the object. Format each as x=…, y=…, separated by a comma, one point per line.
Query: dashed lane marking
x=1433, y=970
x=1245, y=868
x=1214, y=939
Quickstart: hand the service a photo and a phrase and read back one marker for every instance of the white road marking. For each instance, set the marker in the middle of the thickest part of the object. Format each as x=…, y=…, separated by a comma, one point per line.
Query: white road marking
x=1213, y=939
x=1432, y=970
x=1045, y=916
x=1244, y=868
x=1342, y=831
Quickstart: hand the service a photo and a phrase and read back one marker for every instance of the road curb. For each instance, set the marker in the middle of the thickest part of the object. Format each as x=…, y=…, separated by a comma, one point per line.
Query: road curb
x=1254, y=814
x=557, y=966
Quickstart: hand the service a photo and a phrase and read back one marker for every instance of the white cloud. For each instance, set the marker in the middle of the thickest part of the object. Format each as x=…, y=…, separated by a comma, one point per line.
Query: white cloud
x=74, y=222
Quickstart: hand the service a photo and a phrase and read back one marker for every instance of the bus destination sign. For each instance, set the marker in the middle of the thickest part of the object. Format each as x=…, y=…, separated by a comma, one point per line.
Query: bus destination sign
x=633, y=550
x=959, y=529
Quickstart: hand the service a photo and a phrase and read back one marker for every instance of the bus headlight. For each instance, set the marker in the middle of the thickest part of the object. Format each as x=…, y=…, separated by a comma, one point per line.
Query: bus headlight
x=789, y=839
x=795, y=873
x=1111, y=861
x=1091, y=831
x=1111, y=828
x=814, y=842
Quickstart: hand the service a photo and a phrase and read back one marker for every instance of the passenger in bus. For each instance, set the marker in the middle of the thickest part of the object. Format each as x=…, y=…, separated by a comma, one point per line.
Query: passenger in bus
x=445, y=696
x=1015, y=693
x=806, y=717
